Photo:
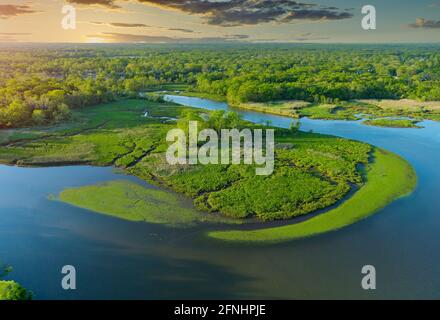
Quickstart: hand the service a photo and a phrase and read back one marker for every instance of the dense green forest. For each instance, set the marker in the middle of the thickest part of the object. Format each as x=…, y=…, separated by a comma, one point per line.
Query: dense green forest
x=41, y=85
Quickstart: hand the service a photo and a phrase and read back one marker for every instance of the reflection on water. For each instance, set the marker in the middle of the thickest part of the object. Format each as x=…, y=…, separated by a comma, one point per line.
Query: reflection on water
x=120, y=259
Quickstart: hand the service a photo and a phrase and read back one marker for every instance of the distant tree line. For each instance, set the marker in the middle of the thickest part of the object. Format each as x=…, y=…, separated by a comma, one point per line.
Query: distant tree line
x=42, y=85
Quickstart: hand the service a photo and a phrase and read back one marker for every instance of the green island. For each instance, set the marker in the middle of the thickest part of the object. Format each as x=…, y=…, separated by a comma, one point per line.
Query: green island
x=392, y=123
x=312, y=171
x=379, y=190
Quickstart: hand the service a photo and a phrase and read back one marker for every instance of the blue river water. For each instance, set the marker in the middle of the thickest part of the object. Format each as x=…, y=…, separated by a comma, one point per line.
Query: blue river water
x=117, y=259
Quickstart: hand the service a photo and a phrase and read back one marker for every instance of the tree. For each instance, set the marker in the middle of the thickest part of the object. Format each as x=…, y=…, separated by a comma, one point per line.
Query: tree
x=38, y=117
x=10, y=290
x=17, y=114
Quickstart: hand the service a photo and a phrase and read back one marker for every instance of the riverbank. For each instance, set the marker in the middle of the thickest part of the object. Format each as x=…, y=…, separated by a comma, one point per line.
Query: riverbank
x=375, y=110
x=388, y=178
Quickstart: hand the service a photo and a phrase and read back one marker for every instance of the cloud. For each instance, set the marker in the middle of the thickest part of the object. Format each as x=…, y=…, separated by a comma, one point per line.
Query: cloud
x=136, y=25
x=251, y=12
x=121, y=24
x=425, y=24
x=15, y=33
x=310, y=38
x=12, y=10
x=229, y=13
x=181, y=30
x=105, y=3
x=238, y=36
x=128, y=25
x=136, y=38
x=7, y=39
x=323, y=14
x=301, y=37
x=12, y=36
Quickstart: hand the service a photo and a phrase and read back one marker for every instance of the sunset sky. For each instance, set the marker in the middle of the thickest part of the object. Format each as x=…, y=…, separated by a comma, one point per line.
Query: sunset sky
x=182, y=21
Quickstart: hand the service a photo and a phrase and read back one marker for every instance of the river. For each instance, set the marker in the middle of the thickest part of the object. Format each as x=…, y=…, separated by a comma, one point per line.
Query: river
x=118, y=259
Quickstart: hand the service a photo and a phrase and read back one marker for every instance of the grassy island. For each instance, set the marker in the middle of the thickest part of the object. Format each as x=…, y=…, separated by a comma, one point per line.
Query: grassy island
x=387, y=178
x=392, y=123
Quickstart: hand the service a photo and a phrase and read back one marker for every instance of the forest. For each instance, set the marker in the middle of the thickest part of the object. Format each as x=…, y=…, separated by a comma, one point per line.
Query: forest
x=42, y=85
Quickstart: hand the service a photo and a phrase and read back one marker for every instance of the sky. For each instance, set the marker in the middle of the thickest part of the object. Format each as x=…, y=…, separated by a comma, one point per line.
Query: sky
x=192, y=21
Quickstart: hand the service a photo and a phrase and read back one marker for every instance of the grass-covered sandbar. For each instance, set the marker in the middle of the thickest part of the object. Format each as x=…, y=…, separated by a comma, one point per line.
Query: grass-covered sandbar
x=392, y=123
x=388, y=178
x=130, y=201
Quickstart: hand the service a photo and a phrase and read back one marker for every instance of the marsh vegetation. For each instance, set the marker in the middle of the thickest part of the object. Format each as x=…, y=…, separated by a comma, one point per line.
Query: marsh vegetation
x=312, y=171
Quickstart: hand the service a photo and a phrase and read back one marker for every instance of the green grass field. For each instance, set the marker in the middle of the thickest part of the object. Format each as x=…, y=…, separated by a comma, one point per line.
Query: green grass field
x=389, y=177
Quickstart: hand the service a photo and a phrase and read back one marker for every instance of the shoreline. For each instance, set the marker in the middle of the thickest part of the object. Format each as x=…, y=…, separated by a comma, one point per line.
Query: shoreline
x=266, y=108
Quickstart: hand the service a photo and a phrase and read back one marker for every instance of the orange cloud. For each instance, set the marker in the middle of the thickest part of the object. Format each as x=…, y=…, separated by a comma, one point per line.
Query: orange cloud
x=12, y=10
